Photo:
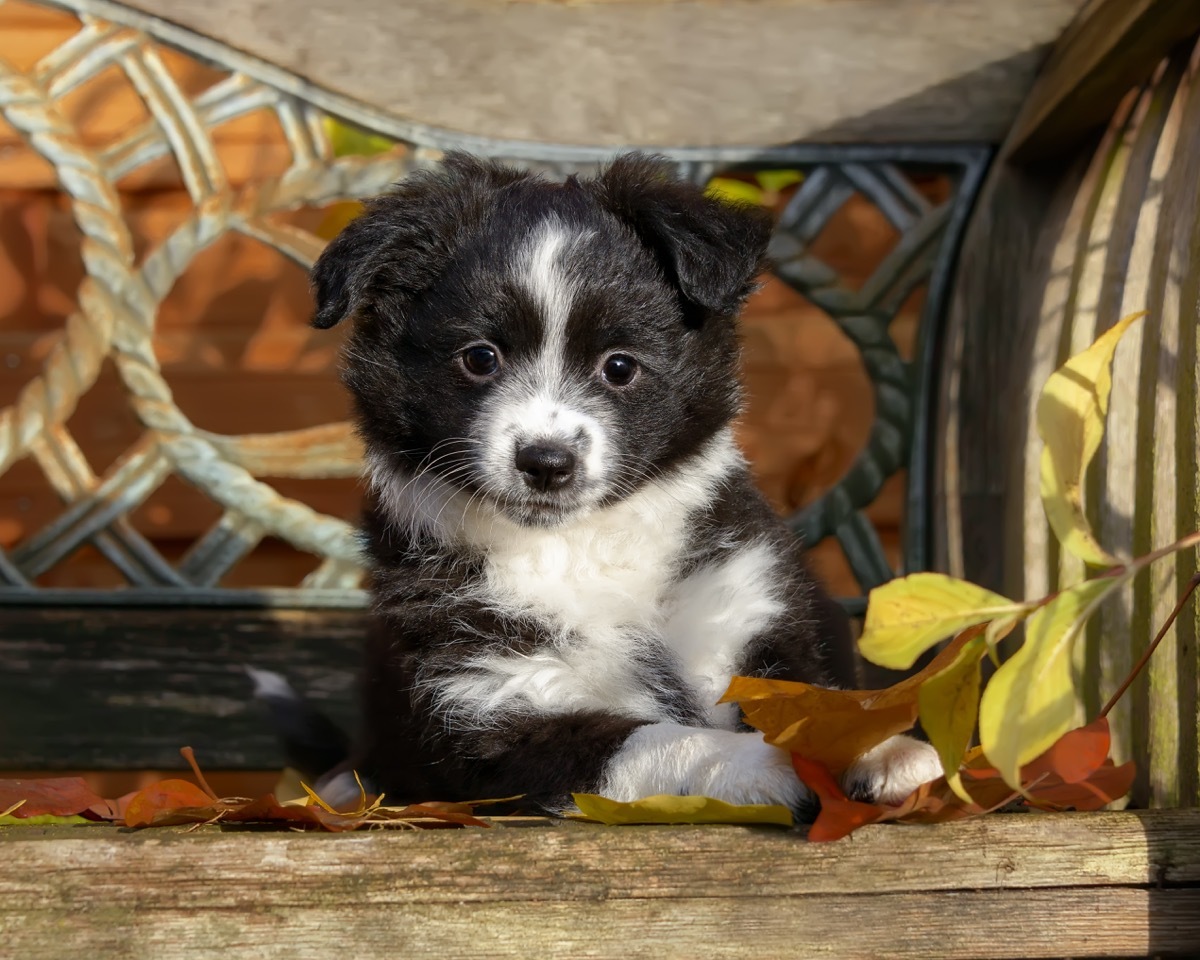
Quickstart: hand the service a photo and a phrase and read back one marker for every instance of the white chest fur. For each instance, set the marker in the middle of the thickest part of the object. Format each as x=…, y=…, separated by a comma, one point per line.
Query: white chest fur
x=605, y=585
x=607, y=594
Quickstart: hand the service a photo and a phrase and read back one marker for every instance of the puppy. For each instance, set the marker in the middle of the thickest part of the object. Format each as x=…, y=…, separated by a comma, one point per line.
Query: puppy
x=570, y=559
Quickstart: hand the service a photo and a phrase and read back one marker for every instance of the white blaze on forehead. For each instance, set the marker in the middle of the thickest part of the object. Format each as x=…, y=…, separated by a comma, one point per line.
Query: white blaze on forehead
x=540, y=271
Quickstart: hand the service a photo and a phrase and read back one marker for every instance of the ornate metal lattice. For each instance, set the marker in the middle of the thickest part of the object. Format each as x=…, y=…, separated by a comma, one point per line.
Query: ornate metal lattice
x=119, y=299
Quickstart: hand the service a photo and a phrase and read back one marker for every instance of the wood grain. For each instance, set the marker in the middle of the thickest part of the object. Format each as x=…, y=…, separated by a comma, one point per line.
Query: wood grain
x=113, y=689
x=670, y=74
x=1004, y=886
x=1055, y=255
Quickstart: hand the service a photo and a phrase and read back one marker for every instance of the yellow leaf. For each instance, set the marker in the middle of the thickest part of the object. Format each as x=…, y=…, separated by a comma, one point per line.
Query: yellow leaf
x=949, y=706
x=908, y=615
x=669, y=809
x=775, y=180
x=1031, y=700
x=737, y=191
x=1070, y=421
x=314, y=797
x=347, y=140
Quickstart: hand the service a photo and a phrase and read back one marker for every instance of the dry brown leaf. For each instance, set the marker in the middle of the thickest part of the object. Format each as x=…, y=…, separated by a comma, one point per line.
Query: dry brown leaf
x=833, y=727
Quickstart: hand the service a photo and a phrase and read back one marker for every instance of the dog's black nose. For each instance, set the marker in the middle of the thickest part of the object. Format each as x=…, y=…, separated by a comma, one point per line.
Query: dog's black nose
x=545, y=466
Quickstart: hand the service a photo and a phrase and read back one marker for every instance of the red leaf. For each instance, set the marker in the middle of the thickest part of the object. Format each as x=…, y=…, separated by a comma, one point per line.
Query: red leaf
x=57, y=797
x=457, y=813
x=1101, y=788
x=1075, y=756
x=839, y=816
x=269, y=810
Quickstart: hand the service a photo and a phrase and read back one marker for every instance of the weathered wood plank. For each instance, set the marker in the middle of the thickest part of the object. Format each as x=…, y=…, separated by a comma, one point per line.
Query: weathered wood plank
x=665, y=74
x=1005, y=886
x=1110, y=46
x=1104, y=923
x=110, y=689
x=571, y=861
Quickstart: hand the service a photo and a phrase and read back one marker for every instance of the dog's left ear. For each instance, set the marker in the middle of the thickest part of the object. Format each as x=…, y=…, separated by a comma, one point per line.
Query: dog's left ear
x=711, y=249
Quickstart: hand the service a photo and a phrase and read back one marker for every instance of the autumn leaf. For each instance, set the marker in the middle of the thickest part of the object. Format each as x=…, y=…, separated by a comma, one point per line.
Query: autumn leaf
x=169, y=802
x=776, y=181
x=833, y=727
x=460, y=814
x=908, y=615
x=1070, y=421
x=734, y=191
x=949, y=706
x=1076, y=773
x=672, y=809
x=53, y=796
x=1075, y=756
x=1030, y=701
x=42, y=820
x=1081, y=753
x=346, y=140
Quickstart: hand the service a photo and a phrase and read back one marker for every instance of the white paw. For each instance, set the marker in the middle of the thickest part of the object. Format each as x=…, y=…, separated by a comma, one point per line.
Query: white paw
x=747, y=770
x=891, y=771
x=675, y=759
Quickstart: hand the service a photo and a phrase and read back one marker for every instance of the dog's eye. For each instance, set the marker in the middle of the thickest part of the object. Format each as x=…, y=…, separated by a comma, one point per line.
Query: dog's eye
x=619, y=370
x=481, y=361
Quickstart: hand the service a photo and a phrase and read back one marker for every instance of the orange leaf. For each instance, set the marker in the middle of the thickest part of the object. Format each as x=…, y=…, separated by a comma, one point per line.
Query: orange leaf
x=835, y=727
x=168, y=801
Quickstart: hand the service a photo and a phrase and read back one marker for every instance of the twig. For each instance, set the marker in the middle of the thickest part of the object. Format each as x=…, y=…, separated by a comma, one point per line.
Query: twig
x=1133, y=674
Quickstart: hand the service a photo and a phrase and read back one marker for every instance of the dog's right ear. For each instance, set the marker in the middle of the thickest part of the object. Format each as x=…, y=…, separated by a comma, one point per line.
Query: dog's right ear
x=401, y=243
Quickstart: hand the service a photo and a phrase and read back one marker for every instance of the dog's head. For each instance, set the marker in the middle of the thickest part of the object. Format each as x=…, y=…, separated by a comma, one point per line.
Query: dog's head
x=545, y=347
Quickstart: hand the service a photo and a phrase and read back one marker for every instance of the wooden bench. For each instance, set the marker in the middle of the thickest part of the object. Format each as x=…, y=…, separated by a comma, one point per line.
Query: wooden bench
x=899, y=106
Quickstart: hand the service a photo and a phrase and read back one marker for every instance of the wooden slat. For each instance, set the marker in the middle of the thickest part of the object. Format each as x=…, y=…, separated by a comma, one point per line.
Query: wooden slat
x=125, y=689
x=1006, y=886
x=1111, y=46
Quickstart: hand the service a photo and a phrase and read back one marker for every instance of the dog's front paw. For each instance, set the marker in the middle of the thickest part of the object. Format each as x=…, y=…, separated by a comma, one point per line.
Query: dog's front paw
x=891, y=771
x=741, y=768
x=722, y=764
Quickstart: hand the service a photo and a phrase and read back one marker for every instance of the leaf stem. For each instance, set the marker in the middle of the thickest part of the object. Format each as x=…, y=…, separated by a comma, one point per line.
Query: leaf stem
x=190, y=757
x=1133, y=674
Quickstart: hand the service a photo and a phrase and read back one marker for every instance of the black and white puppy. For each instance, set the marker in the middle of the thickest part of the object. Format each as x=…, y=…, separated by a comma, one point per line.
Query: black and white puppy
x=570, y=559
